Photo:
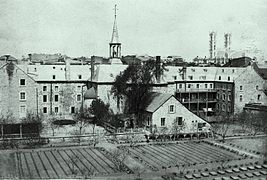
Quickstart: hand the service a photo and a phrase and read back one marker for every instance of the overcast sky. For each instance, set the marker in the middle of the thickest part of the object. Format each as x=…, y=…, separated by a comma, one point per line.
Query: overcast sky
x=158, y=27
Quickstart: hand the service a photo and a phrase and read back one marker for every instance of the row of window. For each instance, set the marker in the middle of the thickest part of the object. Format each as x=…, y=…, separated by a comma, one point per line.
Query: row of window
x=241, y=88
x=56, y=98
x=54, y=76
x=56, y=110
x=206, y=70
x=224, y=97
x=56, y=88
x=224, y=107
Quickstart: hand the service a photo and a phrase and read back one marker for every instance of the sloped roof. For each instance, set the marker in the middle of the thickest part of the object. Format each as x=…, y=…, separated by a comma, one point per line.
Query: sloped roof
x=90, y=94
x=261, y=69
x=154, y=100
x=108, y=72
x=239, y=62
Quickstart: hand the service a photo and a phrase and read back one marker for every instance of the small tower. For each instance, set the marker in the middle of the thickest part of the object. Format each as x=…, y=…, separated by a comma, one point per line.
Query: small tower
x=212, y=45
x=227, y=44
x=115, y=45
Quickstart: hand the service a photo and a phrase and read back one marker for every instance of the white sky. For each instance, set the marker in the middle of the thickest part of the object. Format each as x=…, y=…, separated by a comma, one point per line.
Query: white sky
x=154, y=27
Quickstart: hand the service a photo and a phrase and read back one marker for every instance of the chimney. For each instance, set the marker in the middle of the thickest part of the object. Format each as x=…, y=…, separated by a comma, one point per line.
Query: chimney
x=158, y=69
x=67, y=68
x=92, y=67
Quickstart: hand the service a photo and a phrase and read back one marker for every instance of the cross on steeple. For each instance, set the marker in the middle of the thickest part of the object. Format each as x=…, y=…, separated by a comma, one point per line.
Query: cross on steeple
x=115, y=45
x=115, y=10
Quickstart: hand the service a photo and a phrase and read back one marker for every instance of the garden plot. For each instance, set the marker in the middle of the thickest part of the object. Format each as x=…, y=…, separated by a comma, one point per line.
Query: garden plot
x=256, y=145
x=66, y=163
x=160, y=156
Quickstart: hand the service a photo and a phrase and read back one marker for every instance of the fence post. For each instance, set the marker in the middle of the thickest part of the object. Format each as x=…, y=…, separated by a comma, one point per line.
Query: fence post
x=20, y=130
x=2, y=130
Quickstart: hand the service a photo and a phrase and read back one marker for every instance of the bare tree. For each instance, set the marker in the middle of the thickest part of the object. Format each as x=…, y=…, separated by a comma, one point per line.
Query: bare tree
x=51, y=122
x=177, y=127
x=222, y=125
x=82, y=118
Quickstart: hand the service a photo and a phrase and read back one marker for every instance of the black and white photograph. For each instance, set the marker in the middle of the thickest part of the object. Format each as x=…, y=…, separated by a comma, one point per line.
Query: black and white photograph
x=133, y=89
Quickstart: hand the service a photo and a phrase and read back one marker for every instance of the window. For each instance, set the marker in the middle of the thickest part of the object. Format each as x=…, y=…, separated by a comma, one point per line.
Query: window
x=189, y=85
x=218, y=96
x=224, y=97
x=206, y=86
x=220, y=78
x=44, y=110
x=56, y=88
x=190, y=77
x=56, y=110
x=228, y=78
x=54, y=76
x=56, y=98
x=229, y=97
x=54, y=67
x=259, y=96
x=79, y=88
x=162, y=121
x=171, y=109
x=179, y=120
x=193, y=70
x=233, y=71
x=205, y=70
x=210, y=86
x=241, y=88
x=44, y=98
x=72, y=109
x=229, y=108
x=148, y=121
x=257, y=87
x=180, y=86
x=223, y=70
x=174, y=77
x=223, y=107
x=35, y=69
x=79, y=97
x=22, y=96
x=22, y=82
x=22, y=111
x=240, y=98
x=79, y=76
x=44, y=88
x=197, y=85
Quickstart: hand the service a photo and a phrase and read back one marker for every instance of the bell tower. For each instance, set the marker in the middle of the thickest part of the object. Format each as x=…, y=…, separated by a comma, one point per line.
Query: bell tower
x=115, y=45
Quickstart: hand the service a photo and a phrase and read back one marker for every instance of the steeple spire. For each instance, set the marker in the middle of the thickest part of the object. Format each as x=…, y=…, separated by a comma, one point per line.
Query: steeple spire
x=115, y=45
x=115, y=34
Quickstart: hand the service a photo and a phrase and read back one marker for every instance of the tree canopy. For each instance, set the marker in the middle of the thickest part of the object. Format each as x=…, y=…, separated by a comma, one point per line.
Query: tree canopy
x=135, y=82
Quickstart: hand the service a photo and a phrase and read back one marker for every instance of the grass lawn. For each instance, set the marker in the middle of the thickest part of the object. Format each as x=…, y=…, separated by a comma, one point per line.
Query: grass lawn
x=258, y=144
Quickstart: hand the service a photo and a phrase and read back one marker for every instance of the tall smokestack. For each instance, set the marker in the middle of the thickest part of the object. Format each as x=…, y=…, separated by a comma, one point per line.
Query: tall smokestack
x=158, y=69
x=227, y=43
x=67, y=68
x=212, y=45
x=92, y=67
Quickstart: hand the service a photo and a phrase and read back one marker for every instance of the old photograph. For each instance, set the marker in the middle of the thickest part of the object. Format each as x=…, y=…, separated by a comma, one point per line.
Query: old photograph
x=133, y=89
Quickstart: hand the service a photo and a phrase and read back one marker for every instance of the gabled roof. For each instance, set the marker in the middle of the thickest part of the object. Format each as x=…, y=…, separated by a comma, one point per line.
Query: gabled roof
x=261, y=69
x=154, y=100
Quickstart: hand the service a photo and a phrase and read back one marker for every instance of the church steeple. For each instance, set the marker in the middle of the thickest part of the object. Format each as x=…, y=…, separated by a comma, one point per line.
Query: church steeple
x=115, y=45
